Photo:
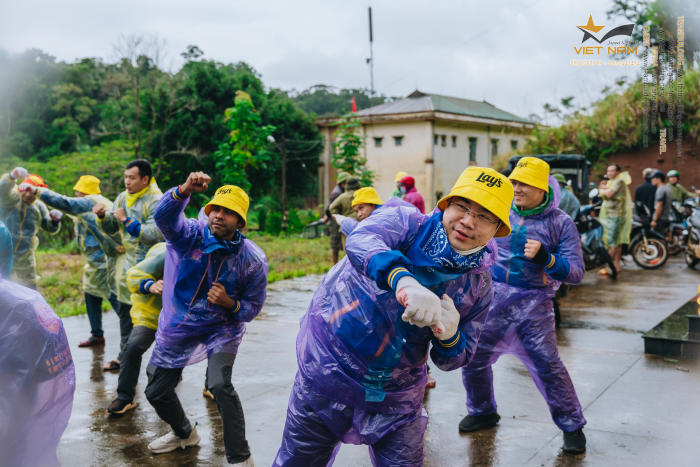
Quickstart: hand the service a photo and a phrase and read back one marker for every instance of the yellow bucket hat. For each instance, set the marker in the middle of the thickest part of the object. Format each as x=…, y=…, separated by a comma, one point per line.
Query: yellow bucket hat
x=399, y=176
x=88, y=184
x=230, y=197
x=487, y=187
x=532, y=171
x=366, y=195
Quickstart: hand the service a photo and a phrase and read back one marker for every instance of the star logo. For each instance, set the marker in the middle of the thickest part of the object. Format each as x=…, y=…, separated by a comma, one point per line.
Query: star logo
x=591, y=28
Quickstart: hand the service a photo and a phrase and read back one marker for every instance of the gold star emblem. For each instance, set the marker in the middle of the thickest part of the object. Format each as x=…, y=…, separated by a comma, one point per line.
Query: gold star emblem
x=590, y=26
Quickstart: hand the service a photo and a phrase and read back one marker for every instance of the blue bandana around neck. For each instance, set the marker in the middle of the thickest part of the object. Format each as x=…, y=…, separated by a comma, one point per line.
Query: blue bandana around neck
x=211, y=243
x=434, y=259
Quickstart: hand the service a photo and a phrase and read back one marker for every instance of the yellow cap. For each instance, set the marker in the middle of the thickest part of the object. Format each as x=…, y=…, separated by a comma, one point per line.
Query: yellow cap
x=399, y=176
x=366, y=195
x=230, y=197
x=487, y=187
x=532, y=171
x=88, y=184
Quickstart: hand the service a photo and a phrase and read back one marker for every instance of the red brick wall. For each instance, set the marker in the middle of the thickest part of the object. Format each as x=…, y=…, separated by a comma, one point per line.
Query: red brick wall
x=688, y=164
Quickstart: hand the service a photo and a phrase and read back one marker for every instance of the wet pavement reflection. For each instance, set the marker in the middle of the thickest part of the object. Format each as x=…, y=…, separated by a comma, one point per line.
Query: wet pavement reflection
x=641, y=410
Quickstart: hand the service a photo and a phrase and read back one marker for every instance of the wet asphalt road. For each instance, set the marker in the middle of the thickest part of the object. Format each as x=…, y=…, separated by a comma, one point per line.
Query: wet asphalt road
x=641, y=410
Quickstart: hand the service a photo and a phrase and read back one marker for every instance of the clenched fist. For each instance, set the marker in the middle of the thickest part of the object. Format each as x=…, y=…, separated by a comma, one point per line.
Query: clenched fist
x=197, y=182
x=531, y=248
x=156, y=288
x=119, y=214
x=55, y=215
x=99, y=210
x=217, y=296
x=18, y=172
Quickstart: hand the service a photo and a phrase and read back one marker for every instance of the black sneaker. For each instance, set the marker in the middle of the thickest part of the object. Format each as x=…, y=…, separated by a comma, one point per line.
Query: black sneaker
x=120, y=407
x=478, y=422
x=574, y=442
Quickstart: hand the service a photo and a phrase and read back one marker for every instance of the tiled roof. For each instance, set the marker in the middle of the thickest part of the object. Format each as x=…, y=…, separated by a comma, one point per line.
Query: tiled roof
x=424, y=102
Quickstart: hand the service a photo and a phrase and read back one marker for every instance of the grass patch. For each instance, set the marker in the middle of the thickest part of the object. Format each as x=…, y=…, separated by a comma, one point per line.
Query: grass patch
x=62, y=272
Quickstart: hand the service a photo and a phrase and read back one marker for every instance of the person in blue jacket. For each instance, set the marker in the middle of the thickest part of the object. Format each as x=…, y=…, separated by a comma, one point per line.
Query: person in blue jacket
x=409, y=282
x=542, y=253
x=214, y=282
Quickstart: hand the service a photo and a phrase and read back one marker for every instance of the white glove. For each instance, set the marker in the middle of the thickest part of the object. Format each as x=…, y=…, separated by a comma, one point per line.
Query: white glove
x=55, y=215
x=339, y=218
x=18, y=172
x=27, y=187
x=422, y=305
x=449, y=319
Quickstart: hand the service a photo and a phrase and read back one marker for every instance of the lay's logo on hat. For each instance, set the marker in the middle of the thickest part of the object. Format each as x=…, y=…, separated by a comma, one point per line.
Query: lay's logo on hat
x=489, y=180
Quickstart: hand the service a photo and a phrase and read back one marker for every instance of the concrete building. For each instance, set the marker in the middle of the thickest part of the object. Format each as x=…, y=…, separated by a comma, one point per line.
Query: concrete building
x=432, y=137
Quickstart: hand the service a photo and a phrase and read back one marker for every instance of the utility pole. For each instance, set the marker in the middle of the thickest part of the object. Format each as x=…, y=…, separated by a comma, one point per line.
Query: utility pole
x=370, y=60
x=283, y=151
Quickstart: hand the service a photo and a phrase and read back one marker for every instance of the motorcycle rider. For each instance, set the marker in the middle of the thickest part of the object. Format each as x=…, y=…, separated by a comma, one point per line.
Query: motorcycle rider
x=678, y=192
x=662, y=203
x=645, y=191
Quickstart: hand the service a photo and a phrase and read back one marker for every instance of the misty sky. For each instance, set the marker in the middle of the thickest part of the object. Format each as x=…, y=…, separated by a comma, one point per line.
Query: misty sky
x=513, y=53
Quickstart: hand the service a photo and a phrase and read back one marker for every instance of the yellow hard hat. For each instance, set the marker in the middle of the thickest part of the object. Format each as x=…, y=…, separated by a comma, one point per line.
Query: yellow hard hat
x=230, y=197
x=88, y=184
x=487, y=187
x=399, y=176
x=532, y=171
x=366, y=195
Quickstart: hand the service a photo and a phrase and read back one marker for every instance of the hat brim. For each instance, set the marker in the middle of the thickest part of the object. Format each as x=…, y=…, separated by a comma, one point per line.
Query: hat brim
x=230, y=207
x=487, y=200
x=528, y=181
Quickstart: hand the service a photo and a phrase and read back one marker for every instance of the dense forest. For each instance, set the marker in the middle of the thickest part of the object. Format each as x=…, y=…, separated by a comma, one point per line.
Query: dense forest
x=91, y=116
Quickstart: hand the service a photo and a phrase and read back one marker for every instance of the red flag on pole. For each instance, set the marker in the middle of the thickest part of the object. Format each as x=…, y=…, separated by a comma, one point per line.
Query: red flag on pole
x=354, y=105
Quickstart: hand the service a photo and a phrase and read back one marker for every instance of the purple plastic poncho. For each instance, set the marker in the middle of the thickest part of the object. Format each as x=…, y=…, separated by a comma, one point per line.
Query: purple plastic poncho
x=521, y=319
x=351, y=324
x=190, y=328
x=37, y=378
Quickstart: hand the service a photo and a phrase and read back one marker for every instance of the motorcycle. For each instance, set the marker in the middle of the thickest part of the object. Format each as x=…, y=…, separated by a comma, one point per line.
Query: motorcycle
x=677, y=232
x=591, y=232
x=647, y=246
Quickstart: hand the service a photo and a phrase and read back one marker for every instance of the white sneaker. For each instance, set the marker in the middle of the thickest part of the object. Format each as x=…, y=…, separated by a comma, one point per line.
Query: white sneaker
x=170, y=442
x=246, y=463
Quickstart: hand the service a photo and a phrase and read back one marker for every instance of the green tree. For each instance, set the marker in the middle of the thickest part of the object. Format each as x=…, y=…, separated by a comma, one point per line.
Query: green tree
x=248, y=146
x=346, y=154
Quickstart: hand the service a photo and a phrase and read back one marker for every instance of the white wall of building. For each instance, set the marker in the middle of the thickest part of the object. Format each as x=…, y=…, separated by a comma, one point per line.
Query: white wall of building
x=451, y=160
x=388, y=159
x=417, y=147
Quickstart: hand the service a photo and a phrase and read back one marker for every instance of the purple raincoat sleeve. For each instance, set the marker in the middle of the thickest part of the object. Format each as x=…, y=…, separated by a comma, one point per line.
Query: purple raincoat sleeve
x=169, y=216
x=568, y=254
x=391, y=229
x=474, y=316
x=255, y=292
x=347, y=225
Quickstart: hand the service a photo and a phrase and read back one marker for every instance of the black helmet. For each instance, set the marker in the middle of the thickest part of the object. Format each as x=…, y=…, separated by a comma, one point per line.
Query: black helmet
x=658, y=174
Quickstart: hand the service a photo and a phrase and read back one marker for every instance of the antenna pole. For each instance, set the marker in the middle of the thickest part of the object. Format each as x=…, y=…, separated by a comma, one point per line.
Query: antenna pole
x=371, y=58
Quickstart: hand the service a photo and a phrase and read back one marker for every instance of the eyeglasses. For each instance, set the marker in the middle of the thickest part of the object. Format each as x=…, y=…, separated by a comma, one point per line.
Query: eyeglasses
x=479, y=217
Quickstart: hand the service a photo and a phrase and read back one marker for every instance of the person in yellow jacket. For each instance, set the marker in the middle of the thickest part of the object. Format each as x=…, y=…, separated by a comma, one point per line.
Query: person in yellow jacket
x=616, y=213
x=24, y=215
x=132, y=214
x=145, y=282
x=99, y=250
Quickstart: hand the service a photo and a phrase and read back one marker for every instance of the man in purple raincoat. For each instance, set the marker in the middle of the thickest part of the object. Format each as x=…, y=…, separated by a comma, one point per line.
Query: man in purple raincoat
x=542, y=252
x=37, y=376
x=364, y=340
x=214, y=282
